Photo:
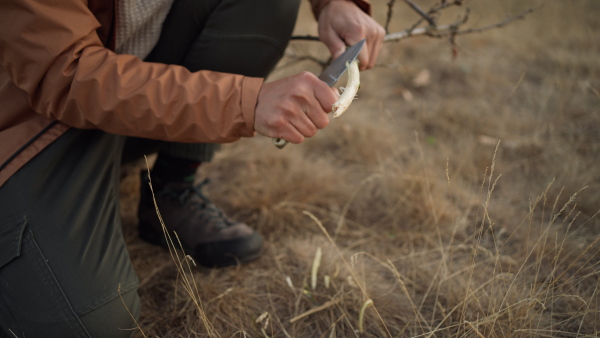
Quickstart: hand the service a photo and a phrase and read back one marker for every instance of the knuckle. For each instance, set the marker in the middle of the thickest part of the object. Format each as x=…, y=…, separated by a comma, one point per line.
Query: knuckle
x=323, y=123
x=297, y=139
x=335, y=95
x=361, y=31
x=298, y=92
x=312, y=132
x=278, y=123
x=306, y=75
x=287, y=108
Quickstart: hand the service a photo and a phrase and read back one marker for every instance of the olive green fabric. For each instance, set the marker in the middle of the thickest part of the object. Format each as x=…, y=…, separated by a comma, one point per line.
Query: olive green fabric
x=62, y=253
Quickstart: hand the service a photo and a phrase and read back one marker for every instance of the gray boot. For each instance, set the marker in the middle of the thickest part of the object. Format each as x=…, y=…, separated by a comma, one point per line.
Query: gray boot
x=206, y=234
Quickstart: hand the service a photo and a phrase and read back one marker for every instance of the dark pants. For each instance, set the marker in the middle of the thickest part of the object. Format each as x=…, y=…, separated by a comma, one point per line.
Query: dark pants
x=64, y=265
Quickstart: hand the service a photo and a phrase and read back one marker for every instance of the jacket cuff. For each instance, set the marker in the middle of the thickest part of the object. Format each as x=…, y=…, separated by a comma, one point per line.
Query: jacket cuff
x=250, y=88
x=318, y=5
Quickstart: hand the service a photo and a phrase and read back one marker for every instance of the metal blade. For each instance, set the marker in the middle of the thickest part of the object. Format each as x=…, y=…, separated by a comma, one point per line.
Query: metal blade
x=333, y=72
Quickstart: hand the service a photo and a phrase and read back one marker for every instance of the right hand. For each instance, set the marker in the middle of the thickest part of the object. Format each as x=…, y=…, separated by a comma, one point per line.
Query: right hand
x=294, y=107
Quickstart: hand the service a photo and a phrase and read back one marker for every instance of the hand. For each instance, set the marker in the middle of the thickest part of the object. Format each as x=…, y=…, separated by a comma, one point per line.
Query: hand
x=294, y=107
x=343, y=23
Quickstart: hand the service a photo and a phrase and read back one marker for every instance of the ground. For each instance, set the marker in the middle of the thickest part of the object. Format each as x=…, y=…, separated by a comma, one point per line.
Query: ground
x=459, y=193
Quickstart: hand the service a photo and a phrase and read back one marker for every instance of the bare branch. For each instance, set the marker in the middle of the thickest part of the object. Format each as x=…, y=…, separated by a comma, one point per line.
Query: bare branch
x=446, y=30
x=422, y=13
x=499, y=24
x=389, y=15
x=305, y=37
x=432, y=30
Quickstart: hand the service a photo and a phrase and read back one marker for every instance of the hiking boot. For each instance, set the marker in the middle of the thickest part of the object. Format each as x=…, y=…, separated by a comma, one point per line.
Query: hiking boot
x=206, y=234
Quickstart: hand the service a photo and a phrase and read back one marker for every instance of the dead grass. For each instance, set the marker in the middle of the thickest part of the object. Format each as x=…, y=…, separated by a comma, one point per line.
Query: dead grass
x=466, y=208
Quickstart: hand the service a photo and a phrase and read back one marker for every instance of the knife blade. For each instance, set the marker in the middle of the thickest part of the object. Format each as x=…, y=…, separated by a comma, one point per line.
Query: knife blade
x=331, y=74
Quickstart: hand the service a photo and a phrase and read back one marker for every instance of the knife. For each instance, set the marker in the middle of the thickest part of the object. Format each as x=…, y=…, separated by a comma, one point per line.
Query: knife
x=331, y=74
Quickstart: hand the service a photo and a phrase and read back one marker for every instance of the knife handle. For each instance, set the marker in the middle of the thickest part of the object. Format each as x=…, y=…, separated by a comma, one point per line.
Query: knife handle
x=279, y=142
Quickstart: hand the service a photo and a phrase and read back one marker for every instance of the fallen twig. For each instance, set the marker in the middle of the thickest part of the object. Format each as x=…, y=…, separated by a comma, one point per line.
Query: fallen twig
x=315, y=310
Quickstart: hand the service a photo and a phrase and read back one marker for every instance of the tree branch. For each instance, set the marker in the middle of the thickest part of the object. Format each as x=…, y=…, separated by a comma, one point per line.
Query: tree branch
x=502, y=23
x=424, y=15
x=389, y=15
x=438, y=31
x=433, y=30
x=453, y=29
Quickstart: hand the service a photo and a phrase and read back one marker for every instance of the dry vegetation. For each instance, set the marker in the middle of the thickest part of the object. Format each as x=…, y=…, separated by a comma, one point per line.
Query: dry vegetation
x=459, y=195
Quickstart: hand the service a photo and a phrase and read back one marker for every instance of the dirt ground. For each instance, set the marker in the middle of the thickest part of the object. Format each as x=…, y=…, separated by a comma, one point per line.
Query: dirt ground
x=458, y=194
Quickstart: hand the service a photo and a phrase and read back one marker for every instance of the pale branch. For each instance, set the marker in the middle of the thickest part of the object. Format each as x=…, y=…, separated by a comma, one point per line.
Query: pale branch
x=454, y=28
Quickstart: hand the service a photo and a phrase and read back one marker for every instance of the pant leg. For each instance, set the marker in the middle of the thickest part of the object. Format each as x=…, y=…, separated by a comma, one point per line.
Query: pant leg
x=62, y=252
x=244, y=37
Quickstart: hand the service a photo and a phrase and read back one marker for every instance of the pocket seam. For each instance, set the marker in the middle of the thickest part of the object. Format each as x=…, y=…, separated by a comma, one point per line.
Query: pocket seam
x=50, y=279
x=15, y=246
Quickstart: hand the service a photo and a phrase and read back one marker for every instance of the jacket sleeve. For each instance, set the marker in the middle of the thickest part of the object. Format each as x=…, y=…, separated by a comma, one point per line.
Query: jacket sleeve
x=51, y=51
x=317, y=5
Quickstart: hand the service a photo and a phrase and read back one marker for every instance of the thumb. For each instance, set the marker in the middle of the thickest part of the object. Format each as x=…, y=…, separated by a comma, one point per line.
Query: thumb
x=333, y=42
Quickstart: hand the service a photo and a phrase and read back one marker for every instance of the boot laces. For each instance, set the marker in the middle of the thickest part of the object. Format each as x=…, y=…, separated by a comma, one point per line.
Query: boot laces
x=192, y=196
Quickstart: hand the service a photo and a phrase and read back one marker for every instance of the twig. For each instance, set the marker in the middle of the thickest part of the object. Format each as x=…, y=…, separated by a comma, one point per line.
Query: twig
x=315, y=310
x=435, y=31
x=389, y=15
x=434, y=10
x=422, y=13
x=499, y=24
x=475, y=329
x=446, y=30
x=127, y=308
x=450, y=31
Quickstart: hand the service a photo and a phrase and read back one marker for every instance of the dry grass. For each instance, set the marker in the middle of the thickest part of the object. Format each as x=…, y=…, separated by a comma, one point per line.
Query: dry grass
x=466, y=207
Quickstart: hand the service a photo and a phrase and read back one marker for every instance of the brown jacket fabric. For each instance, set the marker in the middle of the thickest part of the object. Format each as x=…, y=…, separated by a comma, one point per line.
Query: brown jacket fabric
x=57, y=70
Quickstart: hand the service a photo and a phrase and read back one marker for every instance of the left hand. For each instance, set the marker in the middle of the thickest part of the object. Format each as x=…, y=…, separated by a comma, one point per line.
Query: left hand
x=343, y=23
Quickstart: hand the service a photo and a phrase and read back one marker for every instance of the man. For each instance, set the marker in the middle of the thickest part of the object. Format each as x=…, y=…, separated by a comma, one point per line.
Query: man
x=187, y=74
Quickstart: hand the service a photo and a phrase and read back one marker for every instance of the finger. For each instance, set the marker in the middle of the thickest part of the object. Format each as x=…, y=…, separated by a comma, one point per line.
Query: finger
x=333, y=42
x=364, y=56
x=317, y=109
x=318, y=118
x=292, y=135
x=325, y=96
x=305, y=126
x=377, y=42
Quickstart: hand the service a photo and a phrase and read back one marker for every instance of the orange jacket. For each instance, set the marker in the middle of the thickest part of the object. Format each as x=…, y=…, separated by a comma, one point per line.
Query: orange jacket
x=57, y=70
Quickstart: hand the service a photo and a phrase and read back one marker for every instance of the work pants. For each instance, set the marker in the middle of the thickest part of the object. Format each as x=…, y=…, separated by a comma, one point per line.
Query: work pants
x=64, y=266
